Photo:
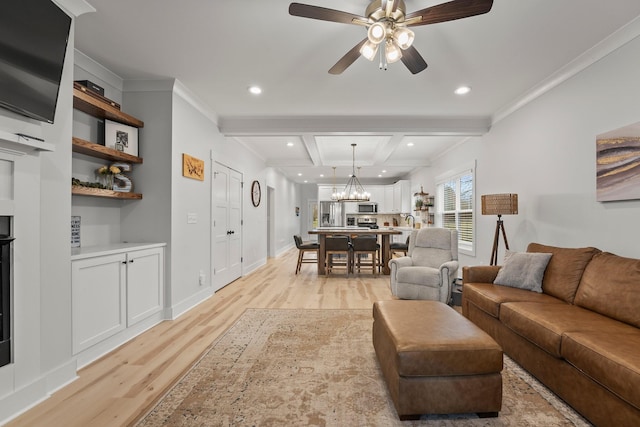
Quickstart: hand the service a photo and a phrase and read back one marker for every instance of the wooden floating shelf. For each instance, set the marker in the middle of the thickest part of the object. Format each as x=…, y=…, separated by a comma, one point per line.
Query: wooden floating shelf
x=100, y=151
x=88, y=103
x=78, y=190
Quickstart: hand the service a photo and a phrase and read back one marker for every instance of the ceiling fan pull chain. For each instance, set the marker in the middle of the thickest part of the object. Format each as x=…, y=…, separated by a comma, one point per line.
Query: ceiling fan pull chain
x=382, y=66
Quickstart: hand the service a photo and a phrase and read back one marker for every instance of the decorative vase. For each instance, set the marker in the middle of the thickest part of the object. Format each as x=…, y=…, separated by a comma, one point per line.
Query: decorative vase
x=108, y=181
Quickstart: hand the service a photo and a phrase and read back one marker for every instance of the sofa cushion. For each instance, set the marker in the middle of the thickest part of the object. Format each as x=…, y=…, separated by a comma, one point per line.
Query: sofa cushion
x=564, y=271
x=488, y=296
x=611, y=286
x=610, y=359
x=544, y=324
x=523, y=270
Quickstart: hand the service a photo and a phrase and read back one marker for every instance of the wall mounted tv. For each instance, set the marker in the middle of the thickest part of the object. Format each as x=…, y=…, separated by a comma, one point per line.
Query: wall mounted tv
x=33, y=42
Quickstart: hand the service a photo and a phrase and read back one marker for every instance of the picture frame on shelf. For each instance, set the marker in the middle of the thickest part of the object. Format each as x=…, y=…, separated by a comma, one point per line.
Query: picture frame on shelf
x=75, y=231
x=121, y=137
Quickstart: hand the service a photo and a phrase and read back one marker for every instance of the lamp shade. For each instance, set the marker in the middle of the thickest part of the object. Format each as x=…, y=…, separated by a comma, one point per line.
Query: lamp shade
x=369, y=50
x=404, y=37
x=392, y=52
x=377, y=33
x=500, y=204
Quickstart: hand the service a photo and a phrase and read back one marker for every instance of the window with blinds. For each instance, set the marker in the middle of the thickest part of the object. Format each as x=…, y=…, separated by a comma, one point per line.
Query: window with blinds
x=455, y=208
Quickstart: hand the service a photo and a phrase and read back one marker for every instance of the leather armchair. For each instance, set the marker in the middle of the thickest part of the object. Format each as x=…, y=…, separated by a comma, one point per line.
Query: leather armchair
x=429, y=269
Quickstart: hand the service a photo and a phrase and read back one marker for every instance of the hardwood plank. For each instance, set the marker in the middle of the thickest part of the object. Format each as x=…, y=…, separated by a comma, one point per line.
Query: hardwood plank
x=120, y=387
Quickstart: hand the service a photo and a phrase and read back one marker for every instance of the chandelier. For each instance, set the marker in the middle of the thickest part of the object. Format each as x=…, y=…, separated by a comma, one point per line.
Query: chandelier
x=353, y=191
x=390, y=30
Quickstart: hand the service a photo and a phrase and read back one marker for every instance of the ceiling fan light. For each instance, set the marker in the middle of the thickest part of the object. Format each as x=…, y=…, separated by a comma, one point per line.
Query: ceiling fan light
x=369, y=50
x=404, y=37
x=377, y=33
x=392, y=52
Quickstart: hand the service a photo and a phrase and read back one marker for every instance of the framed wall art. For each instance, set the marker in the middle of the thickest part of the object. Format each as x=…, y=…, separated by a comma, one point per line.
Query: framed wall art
x=618, y=164
x=121, y=137
x=192, y=167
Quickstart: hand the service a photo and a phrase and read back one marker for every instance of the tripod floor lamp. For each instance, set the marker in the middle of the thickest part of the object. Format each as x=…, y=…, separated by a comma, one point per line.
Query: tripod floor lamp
x=499, y=204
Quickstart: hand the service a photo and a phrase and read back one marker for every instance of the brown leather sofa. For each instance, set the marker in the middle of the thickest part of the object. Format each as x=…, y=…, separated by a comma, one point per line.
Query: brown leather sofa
x=580, y=336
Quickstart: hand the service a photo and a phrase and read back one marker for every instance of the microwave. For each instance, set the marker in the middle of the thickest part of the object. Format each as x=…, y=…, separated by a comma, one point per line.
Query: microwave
x=367, y=208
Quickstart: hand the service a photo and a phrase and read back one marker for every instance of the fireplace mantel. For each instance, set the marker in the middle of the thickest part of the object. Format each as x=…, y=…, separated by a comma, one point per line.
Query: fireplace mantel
x=20, y=145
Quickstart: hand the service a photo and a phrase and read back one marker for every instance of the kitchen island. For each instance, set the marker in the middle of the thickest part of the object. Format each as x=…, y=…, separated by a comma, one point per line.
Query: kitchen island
x=385, y=232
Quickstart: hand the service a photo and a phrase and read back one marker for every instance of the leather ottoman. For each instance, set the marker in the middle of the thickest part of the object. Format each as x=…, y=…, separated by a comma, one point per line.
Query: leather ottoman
x=435, y=361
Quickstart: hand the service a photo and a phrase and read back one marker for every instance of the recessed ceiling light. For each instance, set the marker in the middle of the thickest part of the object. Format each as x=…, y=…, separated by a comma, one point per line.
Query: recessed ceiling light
x=299, y=173
x=462, y=90
x=256, y=90
x=289, y=144
x=384, y=171
x=321, y=175
x=380, y=176
x=410, y=144
x=305, y=181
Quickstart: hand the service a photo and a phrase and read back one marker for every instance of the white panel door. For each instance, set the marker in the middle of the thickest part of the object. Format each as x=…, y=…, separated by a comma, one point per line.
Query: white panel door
x=235, y=225
x=226, y=225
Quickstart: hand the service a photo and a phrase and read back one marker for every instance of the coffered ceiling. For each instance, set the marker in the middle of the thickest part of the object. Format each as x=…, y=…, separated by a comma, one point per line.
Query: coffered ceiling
x=218, y=49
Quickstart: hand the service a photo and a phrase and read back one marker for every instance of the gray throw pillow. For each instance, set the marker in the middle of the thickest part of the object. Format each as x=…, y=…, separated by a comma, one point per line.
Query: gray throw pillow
x=523, y=270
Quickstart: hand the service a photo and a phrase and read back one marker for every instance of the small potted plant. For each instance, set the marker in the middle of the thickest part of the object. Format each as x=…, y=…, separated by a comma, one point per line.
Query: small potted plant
x=418, y=204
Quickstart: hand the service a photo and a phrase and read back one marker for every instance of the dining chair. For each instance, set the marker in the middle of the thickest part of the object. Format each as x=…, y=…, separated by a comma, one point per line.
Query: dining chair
x=304, y=247
x=337, y=254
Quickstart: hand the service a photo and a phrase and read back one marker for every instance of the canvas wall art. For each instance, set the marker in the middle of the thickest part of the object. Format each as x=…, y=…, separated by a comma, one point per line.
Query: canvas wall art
x=618, y=164
x=192, y=167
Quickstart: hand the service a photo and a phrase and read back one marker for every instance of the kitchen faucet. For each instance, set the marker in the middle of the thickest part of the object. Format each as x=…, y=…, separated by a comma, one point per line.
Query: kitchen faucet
x=413, y=218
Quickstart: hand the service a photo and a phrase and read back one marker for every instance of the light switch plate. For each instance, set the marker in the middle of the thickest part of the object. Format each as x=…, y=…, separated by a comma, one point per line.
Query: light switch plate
x=192, y=218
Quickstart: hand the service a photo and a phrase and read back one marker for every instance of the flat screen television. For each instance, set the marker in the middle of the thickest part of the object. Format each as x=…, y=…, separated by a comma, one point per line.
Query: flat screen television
x=33, y=42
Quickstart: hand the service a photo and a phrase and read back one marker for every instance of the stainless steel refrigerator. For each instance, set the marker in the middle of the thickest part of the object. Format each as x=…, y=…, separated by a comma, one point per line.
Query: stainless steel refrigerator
x=331, y=214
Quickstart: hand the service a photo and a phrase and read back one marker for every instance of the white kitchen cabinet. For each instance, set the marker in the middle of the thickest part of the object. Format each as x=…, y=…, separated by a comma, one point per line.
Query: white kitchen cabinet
x=376, y=194
x=113, y=290
x=402, y=196
x=388, y=199
x=401, y=238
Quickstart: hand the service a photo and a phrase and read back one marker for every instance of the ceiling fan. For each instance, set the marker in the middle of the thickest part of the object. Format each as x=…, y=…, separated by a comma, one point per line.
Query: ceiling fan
x=387, y=24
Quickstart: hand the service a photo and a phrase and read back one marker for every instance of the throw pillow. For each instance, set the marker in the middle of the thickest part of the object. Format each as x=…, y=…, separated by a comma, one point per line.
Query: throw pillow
x=523, y=270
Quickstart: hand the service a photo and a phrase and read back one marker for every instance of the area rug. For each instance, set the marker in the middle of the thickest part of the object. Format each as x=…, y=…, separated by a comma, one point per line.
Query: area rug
x=318, y=368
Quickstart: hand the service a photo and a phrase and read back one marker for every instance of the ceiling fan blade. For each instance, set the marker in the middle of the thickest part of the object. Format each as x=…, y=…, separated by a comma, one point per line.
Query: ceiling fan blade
x=450, y=11
x=348, y=59
x=413, y=60
x=325, y=14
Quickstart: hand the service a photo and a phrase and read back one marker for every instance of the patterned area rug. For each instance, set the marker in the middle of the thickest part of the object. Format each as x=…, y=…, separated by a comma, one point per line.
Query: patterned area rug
x=318, y=367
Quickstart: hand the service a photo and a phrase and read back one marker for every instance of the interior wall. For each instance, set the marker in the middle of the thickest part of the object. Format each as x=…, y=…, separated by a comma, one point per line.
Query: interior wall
x=545, y=152
x=287, y=196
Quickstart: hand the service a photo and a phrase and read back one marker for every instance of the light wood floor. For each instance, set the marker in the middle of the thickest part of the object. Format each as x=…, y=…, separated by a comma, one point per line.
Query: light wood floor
x=120, y=387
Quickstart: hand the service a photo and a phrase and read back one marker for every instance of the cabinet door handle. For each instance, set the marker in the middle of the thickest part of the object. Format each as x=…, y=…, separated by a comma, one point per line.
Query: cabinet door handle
x=131, y=261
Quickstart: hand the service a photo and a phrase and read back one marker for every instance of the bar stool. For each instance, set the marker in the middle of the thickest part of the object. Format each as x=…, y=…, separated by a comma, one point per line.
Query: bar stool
x=337, y=245
x=304, y=247
x=400, y=247
x=365, y=245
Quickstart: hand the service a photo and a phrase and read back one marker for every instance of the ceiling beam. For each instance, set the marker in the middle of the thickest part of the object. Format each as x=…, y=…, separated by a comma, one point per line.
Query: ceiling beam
x=335, y=125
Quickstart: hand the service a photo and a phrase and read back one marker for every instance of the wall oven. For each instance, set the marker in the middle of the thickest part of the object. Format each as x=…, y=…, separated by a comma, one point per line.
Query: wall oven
x=367, y=208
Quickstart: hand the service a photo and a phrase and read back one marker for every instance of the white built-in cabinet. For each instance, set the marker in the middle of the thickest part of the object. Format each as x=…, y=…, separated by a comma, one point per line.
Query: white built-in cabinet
x=113, y=290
